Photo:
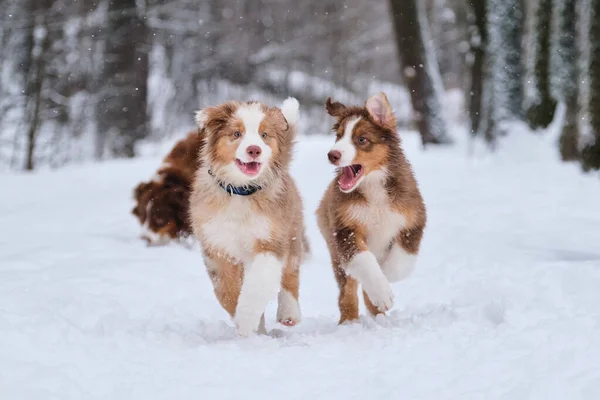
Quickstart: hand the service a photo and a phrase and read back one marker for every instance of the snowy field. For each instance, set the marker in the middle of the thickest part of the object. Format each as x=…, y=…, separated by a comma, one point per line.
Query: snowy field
x=504, y=303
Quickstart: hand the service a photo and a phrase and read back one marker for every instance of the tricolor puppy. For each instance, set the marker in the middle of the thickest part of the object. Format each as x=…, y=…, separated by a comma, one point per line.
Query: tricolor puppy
x=372, y=215
x=162, y=204
x=247, y=212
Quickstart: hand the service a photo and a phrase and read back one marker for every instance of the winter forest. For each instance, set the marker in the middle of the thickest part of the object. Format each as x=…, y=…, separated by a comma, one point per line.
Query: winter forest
x=88, y=79
x=441, y=241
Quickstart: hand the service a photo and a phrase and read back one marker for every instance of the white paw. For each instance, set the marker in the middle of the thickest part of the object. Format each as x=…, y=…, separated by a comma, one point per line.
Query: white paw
x=246, y=325
x=288, y=309
x=262, y=279
x=365, y=269
x=381, y=295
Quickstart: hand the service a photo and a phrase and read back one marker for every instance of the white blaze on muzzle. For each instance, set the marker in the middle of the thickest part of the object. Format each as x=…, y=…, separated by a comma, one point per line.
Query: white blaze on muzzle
x=345, y=145
x=251, y=116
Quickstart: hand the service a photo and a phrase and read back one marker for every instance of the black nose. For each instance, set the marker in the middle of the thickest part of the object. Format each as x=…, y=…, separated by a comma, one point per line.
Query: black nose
x=334, y=156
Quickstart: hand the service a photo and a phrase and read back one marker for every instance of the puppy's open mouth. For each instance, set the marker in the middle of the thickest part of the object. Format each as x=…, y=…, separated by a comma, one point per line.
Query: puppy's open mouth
x=250, y=168
x=350, y=177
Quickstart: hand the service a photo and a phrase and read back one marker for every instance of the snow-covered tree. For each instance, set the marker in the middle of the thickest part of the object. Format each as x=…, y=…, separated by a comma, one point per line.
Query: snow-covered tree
x=590, y=153
x=540, y=105
x=449, y=29
x=420, y=69
x=565, y=54
x=505, y=27
x=73, y=78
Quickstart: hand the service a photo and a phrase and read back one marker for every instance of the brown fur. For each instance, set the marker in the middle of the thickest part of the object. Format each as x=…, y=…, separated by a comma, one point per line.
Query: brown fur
x=278, y=205
x=162, y=204
x=344, y=232
x=227, y=281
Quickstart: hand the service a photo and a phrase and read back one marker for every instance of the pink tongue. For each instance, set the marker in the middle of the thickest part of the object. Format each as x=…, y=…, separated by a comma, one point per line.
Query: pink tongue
x=347, y=178
x=251, y=168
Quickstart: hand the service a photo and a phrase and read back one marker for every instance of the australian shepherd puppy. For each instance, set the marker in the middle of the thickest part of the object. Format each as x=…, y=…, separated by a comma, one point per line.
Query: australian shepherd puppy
x=372, y=215
x=162, y=204
x=247, y=212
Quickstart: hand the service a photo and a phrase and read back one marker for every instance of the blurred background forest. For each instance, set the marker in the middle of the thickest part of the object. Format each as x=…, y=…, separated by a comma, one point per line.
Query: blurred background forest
x=90, y=79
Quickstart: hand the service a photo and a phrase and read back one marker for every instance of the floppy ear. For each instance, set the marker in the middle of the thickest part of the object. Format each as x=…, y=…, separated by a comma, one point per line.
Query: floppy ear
x=290, y=108
x=334, y=108
x=277, y=118
x=380, y=110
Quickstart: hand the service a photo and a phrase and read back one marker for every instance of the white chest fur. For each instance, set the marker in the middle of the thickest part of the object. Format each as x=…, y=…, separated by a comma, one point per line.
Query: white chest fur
x=235, y=228
x=380, y=220
x=382, y=225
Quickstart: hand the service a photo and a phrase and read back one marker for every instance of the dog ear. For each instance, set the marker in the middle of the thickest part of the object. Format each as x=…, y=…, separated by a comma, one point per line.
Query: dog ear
x=213, y=118
x=290, y=108
x=334, y=108
x=380, y=110
x=276, y=117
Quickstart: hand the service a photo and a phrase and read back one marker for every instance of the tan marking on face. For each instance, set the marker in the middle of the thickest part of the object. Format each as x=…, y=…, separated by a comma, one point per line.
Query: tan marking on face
x=373, y=154
x=224, y=143
x=269, y=127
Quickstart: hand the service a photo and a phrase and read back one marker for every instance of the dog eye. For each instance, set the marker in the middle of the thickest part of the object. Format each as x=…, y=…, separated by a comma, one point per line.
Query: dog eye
x=237, y=134
x=264, y=135
x=362, y=140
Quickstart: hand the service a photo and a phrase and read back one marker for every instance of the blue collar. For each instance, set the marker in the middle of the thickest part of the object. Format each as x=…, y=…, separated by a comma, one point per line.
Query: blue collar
x=239, y=190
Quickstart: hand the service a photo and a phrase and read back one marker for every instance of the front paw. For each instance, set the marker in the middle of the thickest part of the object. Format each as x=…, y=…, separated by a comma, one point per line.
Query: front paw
x=381, y=295
x=288, y=310
x=365, y=269
x=245, y=325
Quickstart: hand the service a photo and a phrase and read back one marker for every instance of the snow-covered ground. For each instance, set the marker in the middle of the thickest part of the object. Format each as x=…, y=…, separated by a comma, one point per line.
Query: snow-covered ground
x=504, y=303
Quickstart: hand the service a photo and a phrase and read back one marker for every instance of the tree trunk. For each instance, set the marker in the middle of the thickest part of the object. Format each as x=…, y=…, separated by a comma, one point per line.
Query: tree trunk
x=478, y=46
x=421, y=72
x=568, y=53
x=541, y=112
x=505, y=27
x=35, y=79
x=590, y=154
x=122, y=113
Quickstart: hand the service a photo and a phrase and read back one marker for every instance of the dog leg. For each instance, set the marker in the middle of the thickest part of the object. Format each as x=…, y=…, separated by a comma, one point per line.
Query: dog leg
x=401, y=260
x=399, y=264
x=288, y=309
x=227, y=282
x=262, y=279
x=366, y=270
x=348, y=298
